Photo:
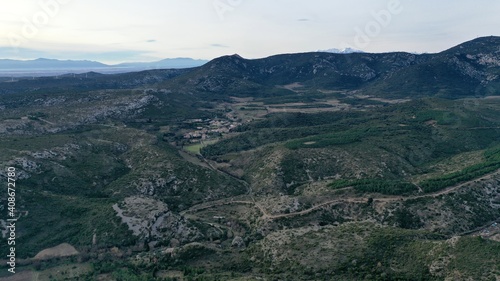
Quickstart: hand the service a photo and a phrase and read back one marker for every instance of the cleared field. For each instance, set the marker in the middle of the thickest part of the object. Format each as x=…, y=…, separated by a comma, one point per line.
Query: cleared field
x=195, y=148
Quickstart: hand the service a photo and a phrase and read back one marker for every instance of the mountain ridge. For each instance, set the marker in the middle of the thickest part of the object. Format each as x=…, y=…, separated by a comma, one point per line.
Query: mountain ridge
x=310, y=166
x=47, y=67
x=472, y=72
x=347, y=50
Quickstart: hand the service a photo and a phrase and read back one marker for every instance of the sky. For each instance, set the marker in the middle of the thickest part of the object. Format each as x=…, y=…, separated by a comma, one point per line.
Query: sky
x=114, y=31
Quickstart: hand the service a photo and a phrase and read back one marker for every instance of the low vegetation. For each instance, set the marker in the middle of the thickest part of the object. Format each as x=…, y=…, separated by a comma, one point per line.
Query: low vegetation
x=326, y=167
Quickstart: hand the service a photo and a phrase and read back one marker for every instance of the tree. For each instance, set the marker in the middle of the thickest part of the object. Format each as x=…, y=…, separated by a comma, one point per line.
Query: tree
x=406, y=219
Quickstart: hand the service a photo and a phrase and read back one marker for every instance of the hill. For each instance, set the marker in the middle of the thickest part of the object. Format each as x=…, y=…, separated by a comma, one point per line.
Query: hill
x=470, y=69
x=312, y=166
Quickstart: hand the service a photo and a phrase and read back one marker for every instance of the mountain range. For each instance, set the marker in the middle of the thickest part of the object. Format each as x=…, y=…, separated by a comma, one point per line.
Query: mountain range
x=47, y=67
x=469, y=69
x=310, y=166
x=347, y=50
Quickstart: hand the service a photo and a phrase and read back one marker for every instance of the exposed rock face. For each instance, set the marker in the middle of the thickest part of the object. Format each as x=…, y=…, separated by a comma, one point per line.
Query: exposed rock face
x=238, y=242
x=139, y=213
x=150, y=219
x=27, y=165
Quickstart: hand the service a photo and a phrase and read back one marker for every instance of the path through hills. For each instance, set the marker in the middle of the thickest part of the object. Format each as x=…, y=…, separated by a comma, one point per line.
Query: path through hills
x=267, y=216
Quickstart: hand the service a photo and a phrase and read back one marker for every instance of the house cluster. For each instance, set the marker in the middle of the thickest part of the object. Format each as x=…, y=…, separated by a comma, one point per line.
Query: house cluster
x=209, y=128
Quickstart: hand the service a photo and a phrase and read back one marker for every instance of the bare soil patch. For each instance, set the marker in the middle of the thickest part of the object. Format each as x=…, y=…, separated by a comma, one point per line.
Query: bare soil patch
x=62, y=250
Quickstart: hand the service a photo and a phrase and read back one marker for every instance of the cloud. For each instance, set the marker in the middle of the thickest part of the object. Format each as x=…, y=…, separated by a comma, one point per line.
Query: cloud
x=180, y=28
x=219, y=46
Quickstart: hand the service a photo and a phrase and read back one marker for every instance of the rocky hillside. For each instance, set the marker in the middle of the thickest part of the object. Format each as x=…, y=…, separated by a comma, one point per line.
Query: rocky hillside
x=313, y=166
x=469, y=69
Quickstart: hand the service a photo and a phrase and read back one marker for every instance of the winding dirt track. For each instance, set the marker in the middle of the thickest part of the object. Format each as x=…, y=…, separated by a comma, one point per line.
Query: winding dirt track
x=267, y=216
x=306, y=211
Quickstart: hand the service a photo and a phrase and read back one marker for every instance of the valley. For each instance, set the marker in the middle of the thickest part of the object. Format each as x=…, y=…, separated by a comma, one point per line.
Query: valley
x=293, y=167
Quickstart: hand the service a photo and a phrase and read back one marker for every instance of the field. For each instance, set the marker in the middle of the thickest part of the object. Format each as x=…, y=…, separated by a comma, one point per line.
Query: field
x=196, y=148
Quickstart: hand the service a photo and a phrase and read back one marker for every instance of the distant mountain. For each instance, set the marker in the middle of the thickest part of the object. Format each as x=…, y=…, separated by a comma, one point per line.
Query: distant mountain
x=469, y=69
x=87, y=81
x=292, y=167
x=165, y=64
x=341, y=51
x=48, y=67
x=42, y=63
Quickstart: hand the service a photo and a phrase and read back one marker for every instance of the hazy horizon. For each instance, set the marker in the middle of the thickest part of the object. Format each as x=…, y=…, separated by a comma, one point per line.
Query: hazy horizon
x=113, y=32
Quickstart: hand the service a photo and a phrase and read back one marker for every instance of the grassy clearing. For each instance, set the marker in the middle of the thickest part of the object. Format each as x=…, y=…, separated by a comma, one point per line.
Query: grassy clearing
x=196, y=148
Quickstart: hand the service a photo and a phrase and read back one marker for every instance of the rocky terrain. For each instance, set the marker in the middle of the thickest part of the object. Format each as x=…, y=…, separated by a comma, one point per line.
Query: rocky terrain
x=338, y=166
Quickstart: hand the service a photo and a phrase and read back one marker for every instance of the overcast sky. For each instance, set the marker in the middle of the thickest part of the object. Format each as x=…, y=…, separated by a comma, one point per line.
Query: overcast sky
x=113, y=31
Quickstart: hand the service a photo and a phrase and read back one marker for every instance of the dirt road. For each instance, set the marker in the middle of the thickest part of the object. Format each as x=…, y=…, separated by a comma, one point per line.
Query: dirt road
x=267, y=216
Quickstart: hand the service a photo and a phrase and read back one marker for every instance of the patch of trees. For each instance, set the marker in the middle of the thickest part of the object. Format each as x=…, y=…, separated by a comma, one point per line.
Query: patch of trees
x=406, y=219
x=390, y=187
x=491, y=163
